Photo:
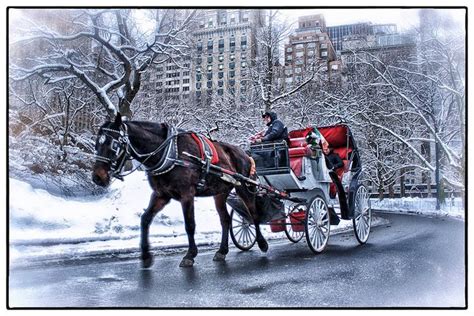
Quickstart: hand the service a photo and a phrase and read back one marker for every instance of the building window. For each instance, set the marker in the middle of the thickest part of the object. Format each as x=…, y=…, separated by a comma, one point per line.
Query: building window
x=209, y=84
x=198, y=69
x=289, y=57
x=311, y=45
x=232, y=73
x=232, y=56
x=221, y=43
x=210, y=23
x=245, y=17
x=198, y=77
x=209, y=68
x=231, y=82
x=324, y=54
x=221, y=66
x=244, y=64
x=310, y=53
x=220, y=91
x=199, y=47
x=220, y=83
x=210, y=45
x=209, y=59
x=232, y=65
x=185, y=80
x=232, y=18
x=299, y=46
x=299, y=54
x=232, y=44
x=334, y=67
x=324, y=46
x=221, y=58
x=243, y=43
x=220, y=75
x=198, y=85
x=289, y=50
x=209, y=76
x=185, y=88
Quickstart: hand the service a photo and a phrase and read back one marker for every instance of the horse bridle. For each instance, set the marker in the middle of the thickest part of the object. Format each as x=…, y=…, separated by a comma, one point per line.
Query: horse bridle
x=123, y=148
x=120, y=148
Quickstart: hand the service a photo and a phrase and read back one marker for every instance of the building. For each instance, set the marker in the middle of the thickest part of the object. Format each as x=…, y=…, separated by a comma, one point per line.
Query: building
x=339, y=32
x=356, y=36
x=224, y=45
x=309, y=49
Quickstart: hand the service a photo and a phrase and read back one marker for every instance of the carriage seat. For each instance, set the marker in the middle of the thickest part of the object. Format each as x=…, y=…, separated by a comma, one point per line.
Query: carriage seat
x=297, y=149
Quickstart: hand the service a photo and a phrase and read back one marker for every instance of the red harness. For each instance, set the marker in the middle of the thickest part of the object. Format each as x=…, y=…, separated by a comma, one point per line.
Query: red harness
x=201, y=145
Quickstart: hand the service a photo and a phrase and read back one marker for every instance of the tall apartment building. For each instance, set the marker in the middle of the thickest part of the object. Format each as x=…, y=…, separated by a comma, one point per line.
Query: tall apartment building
x=309, y=48
x=224, y=45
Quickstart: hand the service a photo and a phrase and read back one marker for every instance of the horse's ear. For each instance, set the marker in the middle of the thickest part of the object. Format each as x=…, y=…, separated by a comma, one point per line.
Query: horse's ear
x=118, y=119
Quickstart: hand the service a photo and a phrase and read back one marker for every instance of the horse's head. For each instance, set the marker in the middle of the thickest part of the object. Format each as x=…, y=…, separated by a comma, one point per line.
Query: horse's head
x=111, y=152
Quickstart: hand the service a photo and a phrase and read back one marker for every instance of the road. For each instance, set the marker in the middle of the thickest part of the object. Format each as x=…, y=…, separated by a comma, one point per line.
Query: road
x=413, y=261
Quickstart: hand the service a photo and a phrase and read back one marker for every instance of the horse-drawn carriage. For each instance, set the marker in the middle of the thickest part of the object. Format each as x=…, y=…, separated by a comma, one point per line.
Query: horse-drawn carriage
x=307, y=206
x=293, y=192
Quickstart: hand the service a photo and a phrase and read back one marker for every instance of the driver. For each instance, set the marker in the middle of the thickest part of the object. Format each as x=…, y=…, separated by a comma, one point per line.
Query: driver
x=276, y=129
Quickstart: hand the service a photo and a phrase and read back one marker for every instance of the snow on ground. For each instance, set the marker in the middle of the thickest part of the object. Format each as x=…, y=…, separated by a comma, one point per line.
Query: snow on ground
x=451, y=207
x=43, y=225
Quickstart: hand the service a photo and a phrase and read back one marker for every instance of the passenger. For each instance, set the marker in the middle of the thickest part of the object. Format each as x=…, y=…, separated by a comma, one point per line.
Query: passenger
x=333, y=161
x=276, y=129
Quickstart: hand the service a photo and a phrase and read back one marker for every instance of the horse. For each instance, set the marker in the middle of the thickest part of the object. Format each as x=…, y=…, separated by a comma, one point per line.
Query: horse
x=148, y=142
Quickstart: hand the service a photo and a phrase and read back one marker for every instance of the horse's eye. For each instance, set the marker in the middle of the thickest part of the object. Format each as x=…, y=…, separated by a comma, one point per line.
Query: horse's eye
x=102, y=139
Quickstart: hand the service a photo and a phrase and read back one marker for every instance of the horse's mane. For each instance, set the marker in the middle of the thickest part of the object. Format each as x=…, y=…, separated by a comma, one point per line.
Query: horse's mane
x=158, y=129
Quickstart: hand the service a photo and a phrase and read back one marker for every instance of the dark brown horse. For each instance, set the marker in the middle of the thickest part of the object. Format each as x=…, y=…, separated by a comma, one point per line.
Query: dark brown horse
x=147, y=143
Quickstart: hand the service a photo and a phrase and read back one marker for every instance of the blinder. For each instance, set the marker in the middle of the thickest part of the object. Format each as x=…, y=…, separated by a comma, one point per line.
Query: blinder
x=118, y=148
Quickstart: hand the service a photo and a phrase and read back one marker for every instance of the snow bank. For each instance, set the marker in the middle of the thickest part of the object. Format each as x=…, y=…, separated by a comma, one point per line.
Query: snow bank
x=38, y=218
x=452, y=207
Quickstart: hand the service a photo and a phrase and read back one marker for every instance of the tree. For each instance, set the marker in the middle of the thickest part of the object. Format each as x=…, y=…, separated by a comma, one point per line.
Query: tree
x=105, y=50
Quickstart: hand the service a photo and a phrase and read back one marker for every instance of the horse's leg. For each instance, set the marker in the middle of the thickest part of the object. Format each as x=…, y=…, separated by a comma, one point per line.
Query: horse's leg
x=187, y=203
x=249, y=201
x=157, y=203
x=220, y=201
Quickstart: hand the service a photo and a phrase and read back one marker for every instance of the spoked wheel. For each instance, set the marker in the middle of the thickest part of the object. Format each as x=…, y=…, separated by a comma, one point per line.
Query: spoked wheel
x=362, y=215
x=242, y=232
x=294, y=236
x=317, y=224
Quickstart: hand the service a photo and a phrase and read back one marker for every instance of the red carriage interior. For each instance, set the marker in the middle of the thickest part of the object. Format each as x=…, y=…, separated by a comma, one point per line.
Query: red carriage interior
x=336, y=136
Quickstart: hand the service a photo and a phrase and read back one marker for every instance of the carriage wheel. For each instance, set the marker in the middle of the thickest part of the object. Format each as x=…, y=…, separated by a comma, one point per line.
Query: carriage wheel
x=242, y=232
x=290, y=233
x=362, y=215
x=317, y=224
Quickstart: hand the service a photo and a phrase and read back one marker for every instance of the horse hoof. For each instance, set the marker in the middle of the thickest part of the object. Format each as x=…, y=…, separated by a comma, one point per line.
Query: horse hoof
x=263, y=246
x=186, y=263
x=219, y=257
x=147, y=261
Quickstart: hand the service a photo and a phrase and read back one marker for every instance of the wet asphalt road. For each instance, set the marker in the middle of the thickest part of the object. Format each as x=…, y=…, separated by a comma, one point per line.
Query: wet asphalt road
x=413, y=261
